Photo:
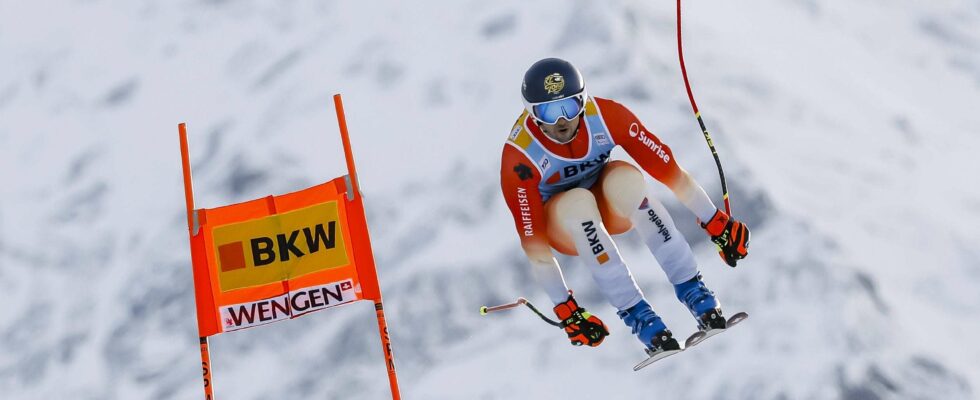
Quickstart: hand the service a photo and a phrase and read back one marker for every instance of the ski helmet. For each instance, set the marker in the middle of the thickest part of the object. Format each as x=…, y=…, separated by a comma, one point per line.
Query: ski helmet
x=553, y=88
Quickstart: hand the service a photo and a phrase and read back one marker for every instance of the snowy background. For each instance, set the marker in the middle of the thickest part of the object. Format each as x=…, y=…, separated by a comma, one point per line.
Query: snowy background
x=848, y=129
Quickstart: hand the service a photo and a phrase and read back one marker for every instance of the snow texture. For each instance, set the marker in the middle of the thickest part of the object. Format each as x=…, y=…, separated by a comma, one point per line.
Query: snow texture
x=848, y=131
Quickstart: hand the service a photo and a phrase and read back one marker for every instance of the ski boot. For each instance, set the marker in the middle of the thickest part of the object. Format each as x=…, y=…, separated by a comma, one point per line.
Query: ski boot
x=650, y=329
x=705, y=309
x=702, y=304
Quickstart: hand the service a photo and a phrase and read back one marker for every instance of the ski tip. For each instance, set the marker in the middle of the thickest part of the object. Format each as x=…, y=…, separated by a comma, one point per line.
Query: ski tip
x=738, y=317
x=483, y=310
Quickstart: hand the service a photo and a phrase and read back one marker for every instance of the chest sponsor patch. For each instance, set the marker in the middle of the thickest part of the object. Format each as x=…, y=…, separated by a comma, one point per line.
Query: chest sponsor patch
x=514, y=132
x=544, y=163
x=576, y=169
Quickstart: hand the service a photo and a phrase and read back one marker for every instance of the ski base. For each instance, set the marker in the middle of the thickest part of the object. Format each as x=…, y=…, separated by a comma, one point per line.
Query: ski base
x=700, y=336
x=656, y=357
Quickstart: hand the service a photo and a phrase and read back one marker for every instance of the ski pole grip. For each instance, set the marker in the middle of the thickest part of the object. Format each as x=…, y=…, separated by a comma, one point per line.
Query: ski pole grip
x=484, y=310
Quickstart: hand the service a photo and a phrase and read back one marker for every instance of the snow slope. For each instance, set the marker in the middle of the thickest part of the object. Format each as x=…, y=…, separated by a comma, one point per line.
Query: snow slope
x=847, y=130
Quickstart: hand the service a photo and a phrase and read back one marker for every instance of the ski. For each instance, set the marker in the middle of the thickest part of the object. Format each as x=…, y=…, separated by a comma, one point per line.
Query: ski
x=693, y=340
x=701, y=335
x=656, y=356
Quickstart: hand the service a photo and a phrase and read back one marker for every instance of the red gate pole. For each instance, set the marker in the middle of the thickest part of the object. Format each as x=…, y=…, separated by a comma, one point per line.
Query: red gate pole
x=189, y=200
x=378, y=306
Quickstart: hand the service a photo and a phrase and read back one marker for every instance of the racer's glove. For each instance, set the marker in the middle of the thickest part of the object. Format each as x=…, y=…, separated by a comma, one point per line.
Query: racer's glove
x=730, y=235
x=581, y=326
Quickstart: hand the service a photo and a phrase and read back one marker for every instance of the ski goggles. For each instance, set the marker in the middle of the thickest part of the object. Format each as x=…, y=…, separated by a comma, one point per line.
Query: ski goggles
x=550, y=112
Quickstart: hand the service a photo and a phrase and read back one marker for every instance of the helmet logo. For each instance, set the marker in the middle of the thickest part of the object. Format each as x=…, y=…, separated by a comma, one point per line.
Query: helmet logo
x=554, y=83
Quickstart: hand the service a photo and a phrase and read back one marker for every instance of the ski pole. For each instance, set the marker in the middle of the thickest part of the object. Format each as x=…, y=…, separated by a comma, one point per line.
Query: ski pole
x=697, y=114
x=484, y=310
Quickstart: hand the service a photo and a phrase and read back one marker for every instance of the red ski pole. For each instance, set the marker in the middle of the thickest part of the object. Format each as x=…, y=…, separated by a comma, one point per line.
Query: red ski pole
x=697, y=114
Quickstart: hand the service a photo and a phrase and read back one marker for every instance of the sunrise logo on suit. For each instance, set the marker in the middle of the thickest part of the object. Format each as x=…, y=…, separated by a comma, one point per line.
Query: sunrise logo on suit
x=648, y=141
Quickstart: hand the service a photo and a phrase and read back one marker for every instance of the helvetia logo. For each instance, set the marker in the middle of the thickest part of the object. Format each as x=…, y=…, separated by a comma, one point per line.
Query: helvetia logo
x=292, y=304
x=661, y=228
x=279, y=247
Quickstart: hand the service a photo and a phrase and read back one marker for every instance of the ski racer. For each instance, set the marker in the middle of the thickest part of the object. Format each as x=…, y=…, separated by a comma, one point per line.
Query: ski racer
x=566, y=195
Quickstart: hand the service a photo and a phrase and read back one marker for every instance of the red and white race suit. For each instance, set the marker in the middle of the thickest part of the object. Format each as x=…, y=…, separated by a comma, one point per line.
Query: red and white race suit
x=535, y=170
